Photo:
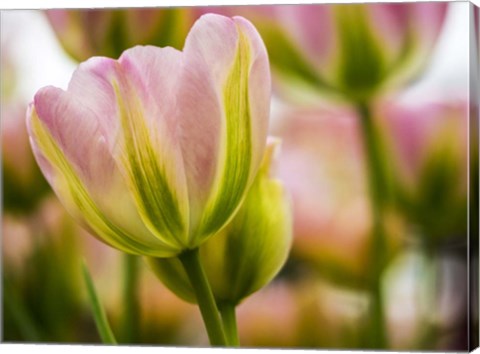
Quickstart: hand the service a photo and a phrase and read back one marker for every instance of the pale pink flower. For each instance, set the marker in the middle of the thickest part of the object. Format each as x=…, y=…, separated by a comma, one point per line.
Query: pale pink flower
x=351, y=50
x=155, y=151
x=323, y=167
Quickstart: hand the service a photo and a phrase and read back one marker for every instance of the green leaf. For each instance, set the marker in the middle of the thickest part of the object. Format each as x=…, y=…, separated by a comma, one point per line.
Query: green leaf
x=99, y=315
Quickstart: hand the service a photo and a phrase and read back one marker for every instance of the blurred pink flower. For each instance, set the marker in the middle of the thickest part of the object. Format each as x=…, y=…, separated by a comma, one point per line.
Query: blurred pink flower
x=107, y=32
x=353, y=50
x=23, y=184
x=418, y=130
x=429, y=142
x=137, y=148
x=322, y=165
x=16, y=152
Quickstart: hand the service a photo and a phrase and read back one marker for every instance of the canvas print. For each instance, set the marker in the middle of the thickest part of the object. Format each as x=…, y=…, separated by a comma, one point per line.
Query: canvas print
x=269, y=176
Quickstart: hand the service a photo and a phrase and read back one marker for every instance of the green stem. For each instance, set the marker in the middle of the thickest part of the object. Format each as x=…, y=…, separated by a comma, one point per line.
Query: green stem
x=229, y=320
x=379, y=194
x=99, y=315
x=206, y=302
x=131, y=314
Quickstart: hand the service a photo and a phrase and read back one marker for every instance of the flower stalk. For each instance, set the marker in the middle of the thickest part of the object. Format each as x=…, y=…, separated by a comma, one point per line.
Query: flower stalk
x=206, y=302
x=229, y=319
x=379, y=196
x=131, y=321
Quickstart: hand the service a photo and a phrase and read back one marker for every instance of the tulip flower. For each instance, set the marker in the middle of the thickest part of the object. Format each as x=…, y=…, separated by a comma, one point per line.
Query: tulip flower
x=246, y=254
x=85, y=33
x=23, y=184
x=430, y=143
x=154, y=152
x=323, y=166
x=349, y=50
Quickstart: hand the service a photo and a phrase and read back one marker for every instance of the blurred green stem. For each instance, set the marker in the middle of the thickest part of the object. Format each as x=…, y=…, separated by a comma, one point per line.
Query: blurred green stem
x=229, y=320
x=430, y=288
x=131, y=314
x=14, y=303
x=379, y=195
x=206, y=302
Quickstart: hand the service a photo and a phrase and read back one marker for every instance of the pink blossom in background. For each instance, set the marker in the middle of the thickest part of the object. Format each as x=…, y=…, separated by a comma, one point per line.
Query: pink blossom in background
x=417, y=130
x=323, y=167
x=311, y=46
x=108, y=32
x=429, y=142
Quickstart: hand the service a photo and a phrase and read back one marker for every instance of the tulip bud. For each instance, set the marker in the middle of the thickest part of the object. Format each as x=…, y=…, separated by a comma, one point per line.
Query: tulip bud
x=245, y=255
x=155, y=151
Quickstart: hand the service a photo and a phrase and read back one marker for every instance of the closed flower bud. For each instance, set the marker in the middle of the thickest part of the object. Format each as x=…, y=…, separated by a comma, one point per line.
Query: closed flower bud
x=248, y=252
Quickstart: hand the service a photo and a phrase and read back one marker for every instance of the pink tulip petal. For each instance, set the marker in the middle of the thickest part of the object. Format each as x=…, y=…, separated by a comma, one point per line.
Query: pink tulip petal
x=89, y=185
x=93, y=113
x=210, y=52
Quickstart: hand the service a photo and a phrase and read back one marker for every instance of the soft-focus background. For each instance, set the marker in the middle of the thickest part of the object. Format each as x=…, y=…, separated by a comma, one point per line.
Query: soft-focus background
x=320, y=298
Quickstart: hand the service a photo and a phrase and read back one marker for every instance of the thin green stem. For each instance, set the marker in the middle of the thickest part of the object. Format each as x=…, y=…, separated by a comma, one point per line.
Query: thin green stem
x=229, y=320
x=379, y=195
x=99, y=315
x=131, y=314
x=206, y=302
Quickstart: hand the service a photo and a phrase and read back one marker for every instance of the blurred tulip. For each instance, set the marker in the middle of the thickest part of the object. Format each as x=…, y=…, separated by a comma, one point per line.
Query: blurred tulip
x=430, y=145
x=155, y=152
x=8, y=73
x=322, y=164
x=87, y=33
x=23, y=184
x=351, y=50
x=33, y=246
x=248, y=252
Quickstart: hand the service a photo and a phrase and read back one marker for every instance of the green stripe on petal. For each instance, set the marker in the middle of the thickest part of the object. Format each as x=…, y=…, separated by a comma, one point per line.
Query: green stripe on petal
x=236, y=154
x=76, y=193
x=157, y=201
